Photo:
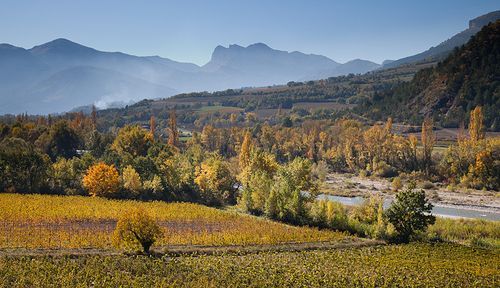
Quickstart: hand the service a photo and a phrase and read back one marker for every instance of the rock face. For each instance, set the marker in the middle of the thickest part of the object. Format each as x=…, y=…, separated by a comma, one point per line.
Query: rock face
x=442, y=50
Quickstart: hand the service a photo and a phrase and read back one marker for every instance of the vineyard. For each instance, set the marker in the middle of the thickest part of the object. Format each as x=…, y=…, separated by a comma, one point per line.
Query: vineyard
x=414, y=265
x=40, y=221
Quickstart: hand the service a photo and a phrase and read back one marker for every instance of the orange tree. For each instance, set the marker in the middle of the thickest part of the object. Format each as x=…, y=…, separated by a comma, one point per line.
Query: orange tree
x=102, y=180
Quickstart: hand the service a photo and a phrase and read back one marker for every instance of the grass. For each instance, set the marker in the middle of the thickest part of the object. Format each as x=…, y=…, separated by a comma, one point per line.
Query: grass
x=414, y=265
x=43, y=221
x=467, y=231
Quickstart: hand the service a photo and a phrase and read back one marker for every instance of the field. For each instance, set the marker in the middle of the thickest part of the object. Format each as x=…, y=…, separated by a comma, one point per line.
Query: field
x=73, y=222
x=221, y=109
x=322, y=105
x=413, y=265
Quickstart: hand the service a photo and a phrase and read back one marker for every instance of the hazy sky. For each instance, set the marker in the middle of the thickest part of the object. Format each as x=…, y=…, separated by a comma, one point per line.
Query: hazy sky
x=187, y=30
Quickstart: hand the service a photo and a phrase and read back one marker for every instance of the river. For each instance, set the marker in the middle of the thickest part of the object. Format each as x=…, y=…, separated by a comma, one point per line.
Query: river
x=438, y=210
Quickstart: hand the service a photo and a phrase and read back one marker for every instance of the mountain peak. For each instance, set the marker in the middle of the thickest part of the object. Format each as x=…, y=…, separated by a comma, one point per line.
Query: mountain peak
x=259, y=46
x=61, y=46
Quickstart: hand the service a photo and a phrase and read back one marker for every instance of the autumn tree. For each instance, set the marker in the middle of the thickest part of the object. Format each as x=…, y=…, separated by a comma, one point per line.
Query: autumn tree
x=102, y=180
x=66, y=174
x=215, y=182
x=131, y=180
x=246, y=149
x=209, y=138
x=428, y=138
x=132, y=141
x=173, y=132
x=152, y=125
x=136, y=231
x=476, y=126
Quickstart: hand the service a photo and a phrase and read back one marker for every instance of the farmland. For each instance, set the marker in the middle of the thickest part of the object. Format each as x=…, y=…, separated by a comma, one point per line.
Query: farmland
x=422, y=265
x=36, y=221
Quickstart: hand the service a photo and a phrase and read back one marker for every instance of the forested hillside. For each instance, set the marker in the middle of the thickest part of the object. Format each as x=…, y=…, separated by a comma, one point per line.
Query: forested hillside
x=469, y=77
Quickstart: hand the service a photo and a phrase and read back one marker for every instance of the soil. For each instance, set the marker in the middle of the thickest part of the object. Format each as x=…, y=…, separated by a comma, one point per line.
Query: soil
x=182, y=250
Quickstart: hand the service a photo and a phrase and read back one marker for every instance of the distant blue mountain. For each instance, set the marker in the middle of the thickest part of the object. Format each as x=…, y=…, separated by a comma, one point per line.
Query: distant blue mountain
x=60, y=75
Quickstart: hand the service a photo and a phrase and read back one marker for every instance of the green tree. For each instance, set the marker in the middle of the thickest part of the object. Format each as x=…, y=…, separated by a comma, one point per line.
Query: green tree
x=410, y=213
x=132, y=141
x=60, y=141
x=23, y=168
x=67, y=174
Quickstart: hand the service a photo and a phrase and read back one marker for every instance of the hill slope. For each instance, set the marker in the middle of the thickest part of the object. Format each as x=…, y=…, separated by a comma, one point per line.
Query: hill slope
x=442, y=50
x=469, y=77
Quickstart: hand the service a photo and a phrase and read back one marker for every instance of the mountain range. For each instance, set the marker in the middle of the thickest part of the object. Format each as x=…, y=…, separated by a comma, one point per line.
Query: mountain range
x=60, y=75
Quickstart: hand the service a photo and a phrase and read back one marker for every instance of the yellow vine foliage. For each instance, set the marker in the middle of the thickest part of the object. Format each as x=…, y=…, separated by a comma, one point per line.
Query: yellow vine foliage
x=102, y=180
x=47, y=221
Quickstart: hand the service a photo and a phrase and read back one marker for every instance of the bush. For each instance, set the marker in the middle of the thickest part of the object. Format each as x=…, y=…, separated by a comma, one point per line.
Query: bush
x=410, y=213
x=136, y=232
x=427, y=185
x=396, y=184
x=382, y=169
x=368, y=211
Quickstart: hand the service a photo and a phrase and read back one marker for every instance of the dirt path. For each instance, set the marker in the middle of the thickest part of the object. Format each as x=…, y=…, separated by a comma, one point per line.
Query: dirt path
x=182, y=250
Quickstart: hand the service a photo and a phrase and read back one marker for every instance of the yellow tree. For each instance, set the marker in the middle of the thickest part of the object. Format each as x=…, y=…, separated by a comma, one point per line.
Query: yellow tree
x=215, y=181
x=476, y=127
x=428, y=139
x=136, y=231
x=152, y=126
x=209, y=137
x=131, y=180
x=246, y=149
x=132, y=140
x=102, y=180
x=173, y=132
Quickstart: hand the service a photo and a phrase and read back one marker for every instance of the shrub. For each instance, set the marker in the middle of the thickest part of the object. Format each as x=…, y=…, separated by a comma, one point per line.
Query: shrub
x=136, y=232
x=410, y=213
x=368, y=211
x=382, y=169
x=427, y=185
x=396, y=184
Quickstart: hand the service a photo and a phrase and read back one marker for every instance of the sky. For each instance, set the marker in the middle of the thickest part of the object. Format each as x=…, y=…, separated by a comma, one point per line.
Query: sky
x=189, y=30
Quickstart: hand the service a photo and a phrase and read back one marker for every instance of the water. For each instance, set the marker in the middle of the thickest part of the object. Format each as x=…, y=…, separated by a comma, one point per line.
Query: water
x=448, y=212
